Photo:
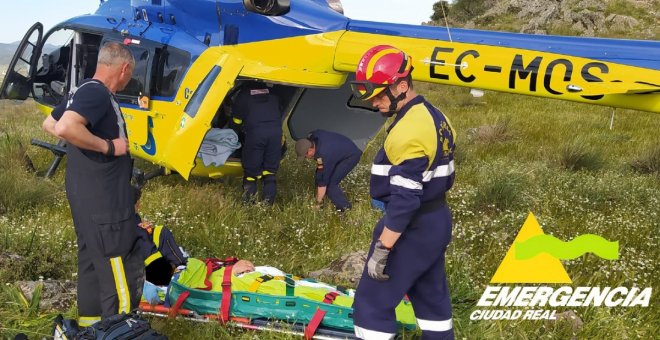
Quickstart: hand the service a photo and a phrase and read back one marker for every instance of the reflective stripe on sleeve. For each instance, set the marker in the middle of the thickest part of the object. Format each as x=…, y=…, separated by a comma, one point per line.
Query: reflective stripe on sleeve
x=427, y=176
x=405, y=182
x=380, y=169
x=439, y=171
x=434, y=326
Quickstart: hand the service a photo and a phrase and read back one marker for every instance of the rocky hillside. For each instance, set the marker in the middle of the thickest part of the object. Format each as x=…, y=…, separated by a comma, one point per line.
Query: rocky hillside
x=6, y=52
x=638, y=19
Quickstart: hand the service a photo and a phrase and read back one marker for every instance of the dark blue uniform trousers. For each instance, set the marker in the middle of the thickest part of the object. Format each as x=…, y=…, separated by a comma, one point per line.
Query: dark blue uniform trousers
x=340, y=171
x=416, y=266
x=261, y=159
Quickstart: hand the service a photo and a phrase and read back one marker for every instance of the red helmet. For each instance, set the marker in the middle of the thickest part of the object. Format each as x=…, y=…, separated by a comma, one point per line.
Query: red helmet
x=380, y=67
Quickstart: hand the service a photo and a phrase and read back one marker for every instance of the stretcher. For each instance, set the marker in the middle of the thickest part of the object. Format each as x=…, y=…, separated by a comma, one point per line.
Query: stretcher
x=263, y=300
x=259, y=325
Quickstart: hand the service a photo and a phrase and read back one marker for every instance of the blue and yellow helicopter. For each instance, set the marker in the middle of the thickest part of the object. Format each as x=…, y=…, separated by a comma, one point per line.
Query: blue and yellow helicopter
x=191, y=55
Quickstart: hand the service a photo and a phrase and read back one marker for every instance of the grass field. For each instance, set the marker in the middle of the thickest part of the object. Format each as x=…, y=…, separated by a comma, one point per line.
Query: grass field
x=515, y=155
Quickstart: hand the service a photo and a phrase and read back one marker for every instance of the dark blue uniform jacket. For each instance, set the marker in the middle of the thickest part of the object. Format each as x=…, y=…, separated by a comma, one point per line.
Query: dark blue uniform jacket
x=331, y=149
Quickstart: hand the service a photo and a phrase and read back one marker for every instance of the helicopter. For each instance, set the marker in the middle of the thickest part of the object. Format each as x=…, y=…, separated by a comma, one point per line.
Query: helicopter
x=192, y=56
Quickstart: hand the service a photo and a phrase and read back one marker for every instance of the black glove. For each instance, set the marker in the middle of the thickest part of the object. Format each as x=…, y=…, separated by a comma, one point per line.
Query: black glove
x=377, y=262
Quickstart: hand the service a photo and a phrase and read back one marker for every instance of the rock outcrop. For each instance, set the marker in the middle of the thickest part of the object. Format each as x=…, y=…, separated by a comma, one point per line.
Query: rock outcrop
x=348, y=268
x=571, y=17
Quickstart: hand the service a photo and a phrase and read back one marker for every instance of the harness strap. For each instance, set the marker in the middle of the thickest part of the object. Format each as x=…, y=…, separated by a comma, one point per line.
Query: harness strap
x=214, y=264
x=314, y=323
x=267, y=277
x=209, y=270
x=258, y=281
x=318, y=316
x=226, y=294
x=330, y=297
x=179, y=302
x=290, y=285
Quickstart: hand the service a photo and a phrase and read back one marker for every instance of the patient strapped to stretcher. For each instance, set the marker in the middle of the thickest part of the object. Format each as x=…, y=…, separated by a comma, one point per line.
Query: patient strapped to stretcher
x=233, y=289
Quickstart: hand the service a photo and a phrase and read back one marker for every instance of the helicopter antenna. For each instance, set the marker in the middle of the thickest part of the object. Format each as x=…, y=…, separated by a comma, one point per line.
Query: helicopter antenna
x=444, y=15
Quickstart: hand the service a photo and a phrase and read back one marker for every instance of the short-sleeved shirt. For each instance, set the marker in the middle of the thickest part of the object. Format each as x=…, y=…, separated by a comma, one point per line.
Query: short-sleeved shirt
x=92, y=101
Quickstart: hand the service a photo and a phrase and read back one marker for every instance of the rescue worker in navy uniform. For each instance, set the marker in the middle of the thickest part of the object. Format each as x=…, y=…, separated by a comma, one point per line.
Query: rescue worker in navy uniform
x=98, y=173
x=410, y=174
x=259, y=112
x=335, y=156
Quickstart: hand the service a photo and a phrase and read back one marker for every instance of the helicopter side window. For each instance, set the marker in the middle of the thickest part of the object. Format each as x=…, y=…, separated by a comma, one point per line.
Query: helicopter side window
x=136, y=87
x=169, y=70
x=50, y=79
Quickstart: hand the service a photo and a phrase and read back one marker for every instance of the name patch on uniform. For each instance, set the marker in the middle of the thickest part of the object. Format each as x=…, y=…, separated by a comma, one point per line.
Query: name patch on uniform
x=259, y=91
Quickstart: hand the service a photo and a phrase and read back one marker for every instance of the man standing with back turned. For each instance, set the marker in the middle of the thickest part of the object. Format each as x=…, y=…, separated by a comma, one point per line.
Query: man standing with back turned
x=98, y=173
x=259, y=111
x=410, y=174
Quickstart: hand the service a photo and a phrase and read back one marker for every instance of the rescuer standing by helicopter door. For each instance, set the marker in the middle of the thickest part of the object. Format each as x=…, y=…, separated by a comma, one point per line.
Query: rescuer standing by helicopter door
x=98, y=174
x=259, y=112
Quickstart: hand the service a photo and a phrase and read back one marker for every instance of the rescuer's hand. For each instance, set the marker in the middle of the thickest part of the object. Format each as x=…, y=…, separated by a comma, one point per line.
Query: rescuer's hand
x=377, y=262
x=121, y=146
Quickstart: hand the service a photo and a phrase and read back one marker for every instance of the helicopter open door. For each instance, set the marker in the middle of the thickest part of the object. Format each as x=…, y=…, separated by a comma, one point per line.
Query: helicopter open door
x=216, y=71
x=20, y=73
x=335, y=110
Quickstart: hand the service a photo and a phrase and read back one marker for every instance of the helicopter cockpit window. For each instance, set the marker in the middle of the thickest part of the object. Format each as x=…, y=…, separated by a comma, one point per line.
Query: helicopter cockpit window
x=169, y=70
x=136, y=86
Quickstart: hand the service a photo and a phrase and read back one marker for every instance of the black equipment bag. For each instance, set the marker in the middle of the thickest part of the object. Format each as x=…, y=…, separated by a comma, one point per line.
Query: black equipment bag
x=120, y=327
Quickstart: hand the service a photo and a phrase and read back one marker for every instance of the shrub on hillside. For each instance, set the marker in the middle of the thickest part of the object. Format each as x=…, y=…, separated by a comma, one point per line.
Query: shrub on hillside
x=648, y=162
x=578, y=155
x=499, y=192
x=498, y=132
x=20, y=188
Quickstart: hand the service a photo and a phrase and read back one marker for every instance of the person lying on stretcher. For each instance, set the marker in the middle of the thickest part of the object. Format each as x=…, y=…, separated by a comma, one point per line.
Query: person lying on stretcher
x=164, y=259
x=162, y=255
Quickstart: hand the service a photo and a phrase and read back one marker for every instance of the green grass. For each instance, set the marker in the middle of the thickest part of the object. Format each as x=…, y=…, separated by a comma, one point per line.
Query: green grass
x=502, y=175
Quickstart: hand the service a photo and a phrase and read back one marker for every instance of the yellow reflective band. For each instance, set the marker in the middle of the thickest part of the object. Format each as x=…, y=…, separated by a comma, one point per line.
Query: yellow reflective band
x=157, y=231
x=259, y=177
x=250, y=179
x=153, y=257
x=374, y=59
x=86, y=321
x=266, y=173
x=120, y=283
x=238, y=121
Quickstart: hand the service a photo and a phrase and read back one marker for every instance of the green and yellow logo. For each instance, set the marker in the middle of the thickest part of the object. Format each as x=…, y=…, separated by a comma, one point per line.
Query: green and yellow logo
x=534, y=257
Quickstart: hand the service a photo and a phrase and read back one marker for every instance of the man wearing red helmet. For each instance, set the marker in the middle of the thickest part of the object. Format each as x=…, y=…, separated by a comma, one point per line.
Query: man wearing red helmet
x=410, y=174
